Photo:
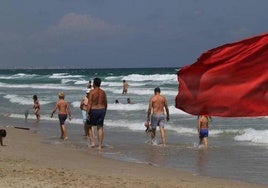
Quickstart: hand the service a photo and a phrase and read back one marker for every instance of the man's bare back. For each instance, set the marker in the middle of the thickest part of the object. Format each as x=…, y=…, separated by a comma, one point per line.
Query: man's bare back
x=158, y=103
x=203, y=122
x=97, y=99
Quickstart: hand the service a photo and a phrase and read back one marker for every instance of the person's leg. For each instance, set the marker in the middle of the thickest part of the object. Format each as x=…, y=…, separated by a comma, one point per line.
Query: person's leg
x=61, y=131
x=100, y=136
x=64, y=131
x=153, y=133
x=91, y=136
x=163, y=135
x=84, y=118
x=93, y=133
x=205, y=142
x=86, y=130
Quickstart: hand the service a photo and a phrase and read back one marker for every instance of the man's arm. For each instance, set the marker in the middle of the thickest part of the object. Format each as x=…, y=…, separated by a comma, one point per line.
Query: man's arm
x=54, y=109
x=105, y=101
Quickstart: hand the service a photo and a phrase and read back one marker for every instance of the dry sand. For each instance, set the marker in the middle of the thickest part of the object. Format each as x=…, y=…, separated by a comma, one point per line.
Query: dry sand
x=27, y=161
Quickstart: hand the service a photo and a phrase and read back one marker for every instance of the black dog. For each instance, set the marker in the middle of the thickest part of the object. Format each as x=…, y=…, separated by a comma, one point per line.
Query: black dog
x=3, y=134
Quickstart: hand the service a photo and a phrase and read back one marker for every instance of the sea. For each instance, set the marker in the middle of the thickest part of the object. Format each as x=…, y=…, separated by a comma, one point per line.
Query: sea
x=238, y=147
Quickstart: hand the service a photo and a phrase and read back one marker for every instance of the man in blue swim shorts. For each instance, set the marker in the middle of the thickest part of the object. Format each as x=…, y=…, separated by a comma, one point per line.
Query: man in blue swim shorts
x=157, y=106
x=96, y=110
x=202, y=129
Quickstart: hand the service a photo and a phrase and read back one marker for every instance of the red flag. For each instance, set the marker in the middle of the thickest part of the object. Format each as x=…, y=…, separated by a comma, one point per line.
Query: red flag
x=228, y=81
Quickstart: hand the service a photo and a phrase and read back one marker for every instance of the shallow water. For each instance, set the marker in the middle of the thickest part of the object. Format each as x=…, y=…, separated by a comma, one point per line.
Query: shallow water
x=238, y=147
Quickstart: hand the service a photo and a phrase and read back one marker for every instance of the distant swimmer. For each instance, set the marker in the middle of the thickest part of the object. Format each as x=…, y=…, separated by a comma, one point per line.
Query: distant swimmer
x=89, y=85
x=125, y=87
x=156, y=115
x=36, y=108
x=63, y=112
x=202, y=129
x=129, y=101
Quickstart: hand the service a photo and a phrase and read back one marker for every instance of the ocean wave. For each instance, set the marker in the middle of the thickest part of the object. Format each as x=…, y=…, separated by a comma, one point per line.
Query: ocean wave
x=18, y=76
x=133, y=107
x=64, y=75
x=153, y=77
x=254, y=136
x=141, y=78
x=17, y=99
x=40, y=86
x=193, y=131
x=142, y=91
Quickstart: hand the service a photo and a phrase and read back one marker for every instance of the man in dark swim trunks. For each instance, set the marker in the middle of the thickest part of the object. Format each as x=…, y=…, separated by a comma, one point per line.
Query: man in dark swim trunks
x=202, y=129
x=96, y=110
x=64, y=109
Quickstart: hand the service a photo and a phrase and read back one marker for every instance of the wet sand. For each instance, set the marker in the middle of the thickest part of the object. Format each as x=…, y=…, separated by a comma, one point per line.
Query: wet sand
x=27, y=161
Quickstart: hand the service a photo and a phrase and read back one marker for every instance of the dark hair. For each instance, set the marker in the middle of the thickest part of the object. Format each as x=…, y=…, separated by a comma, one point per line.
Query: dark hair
x=35, y=97
x=3, y=133
x=97, y=82
x=157, y=90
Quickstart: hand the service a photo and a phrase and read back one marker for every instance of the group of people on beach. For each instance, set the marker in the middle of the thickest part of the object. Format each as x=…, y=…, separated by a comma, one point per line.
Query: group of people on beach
x=94, y=106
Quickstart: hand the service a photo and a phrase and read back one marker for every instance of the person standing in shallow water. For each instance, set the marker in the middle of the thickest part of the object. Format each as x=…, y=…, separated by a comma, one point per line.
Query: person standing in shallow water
x=63, y=111
x=83, y=107
x=36, y=108
x=125, y=87
x=202, y=129
x=155, y=113
x=89, y=86
x=96, y=110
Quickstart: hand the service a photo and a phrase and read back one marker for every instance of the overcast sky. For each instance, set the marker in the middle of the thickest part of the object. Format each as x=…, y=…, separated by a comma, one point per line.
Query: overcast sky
x=122, y=33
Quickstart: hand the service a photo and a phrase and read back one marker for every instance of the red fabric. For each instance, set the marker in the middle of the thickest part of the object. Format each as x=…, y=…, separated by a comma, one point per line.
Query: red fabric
x=228, y=81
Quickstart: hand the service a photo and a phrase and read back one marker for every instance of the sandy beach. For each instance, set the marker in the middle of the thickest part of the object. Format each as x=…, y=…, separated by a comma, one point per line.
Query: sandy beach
x=27, y=161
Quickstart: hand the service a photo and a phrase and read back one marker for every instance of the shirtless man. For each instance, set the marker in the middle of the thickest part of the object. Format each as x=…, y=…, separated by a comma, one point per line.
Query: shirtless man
x=202, y=129
x=156, y=114
x=125, y=87
x=96, y=110
x=64, y=109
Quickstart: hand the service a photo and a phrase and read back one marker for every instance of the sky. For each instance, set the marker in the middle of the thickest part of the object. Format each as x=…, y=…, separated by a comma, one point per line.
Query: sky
x=122, y=33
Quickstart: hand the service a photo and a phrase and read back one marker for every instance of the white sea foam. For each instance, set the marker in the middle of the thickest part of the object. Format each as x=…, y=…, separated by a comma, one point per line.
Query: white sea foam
x=45, y=117
x=18, y=76
x=18, y=99
x=64, y=75
x=142, y=91
x=38, y=86
x=127, y=107
x=193, y=130
x=135, y=126
x=133, y=107
x=153, y=77
x=80, y=82
x=254, y=136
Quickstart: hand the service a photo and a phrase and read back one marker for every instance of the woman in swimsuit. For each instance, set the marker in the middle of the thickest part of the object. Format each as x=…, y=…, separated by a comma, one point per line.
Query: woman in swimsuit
x=36, y=107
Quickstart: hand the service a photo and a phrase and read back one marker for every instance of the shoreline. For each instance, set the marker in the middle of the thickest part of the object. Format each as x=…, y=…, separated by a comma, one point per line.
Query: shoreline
x=26, y=160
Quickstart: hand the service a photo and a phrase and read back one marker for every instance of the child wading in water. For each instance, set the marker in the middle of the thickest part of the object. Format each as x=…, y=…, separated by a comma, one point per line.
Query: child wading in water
x=64, y=109
x=36, y=108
